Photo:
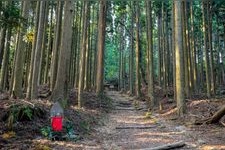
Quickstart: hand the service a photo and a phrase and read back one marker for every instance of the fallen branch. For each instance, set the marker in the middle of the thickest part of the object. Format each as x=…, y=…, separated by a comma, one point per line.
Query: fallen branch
x=136, y=127
x=28, y=103
x=44, y=95
x=222, y=123
x=217, y=116
x=168, y=146
x=123, y=103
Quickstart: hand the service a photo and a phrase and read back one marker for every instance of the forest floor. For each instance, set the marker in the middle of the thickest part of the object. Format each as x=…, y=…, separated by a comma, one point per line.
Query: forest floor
x=127, y=126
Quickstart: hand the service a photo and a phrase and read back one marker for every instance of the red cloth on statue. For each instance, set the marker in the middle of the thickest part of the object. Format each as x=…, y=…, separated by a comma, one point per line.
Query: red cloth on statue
x=57, y=123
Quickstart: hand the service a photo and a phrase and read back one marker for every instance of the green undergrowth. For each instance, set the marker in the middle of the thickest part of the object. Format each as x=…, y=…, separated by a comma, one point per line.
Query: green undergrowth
x=67, y=134
x=22, y=112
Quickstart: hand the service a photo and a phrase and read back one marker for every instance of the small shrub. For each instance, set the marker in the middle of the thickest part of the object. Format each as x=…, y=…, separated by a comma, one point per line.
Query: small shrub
x=47, y=132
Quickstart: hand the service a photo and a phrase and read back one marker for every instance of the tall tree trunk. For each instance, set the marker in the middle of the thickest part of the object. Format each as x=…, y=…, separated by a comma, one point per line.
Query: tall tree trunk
x=95, y=55
x=121, y=57
x=13, y=66
x=211, y=61
x=87, y=54
x=5, y=65
x=60, y=89
x=49, y=48
x=38, y=49
x=56, y=45
x=173, y=50
x=193, y=48
x=131, y=73
x=159, y=49
x=187, y=89
x=2, y=44
x=137, y=43
x=189, y=60
x=92, y=47
x=179, y=58
x=79, y=43
x=74, y=51
x=18, y=72
x=28, y=93
x=101, y=47
x=163, y=50
x=82, y=55
x=207, y=67
x=43, y=47
x=150, y=55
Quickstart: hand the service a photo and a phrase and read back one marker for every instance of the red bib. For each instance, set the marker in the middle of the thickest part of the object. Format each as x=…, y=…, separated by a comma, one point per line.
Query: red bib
x=57, y=123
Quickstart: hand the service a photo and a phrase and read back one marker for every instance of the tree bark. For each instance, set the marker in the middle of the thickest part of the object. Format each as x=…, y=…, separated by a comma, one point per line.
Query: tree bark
x=87, y=54
x=56, y=45
x=29, y=86
x=101, y=47
x=137, y=43
x=131, y=68
x=19, y=64
x=2, y=44
x=185, y=49
x=211, y=60
x=82, y=55
x=179, y=59
x=207, y=66
x=38, y=49
x=79, y=42
x=5, y=65
x=193, y=48
x=60, y=90
x=150, y=70
x=49, y=49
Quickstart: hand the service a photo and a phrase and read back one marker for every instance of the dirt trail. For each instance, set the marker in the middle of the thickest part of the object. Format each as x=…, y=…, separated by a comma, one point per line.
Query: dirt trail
x=153, y=132
x=112, y=136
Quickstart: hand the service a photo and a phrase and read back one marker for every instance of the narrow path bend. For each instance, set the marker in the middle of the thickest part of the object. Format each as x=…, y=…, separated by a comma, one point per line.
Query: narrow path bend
x=152, y=132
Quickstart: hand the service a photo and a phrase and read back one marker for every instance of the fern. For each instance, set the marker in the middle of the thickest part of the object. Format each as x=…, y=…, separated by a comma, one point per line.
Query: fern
x=26, y=111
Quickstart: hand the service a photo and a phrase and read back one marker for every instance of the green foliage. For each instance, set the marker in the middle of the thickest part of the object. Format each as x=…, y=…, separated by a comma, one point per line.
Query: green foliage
x=70, y=130
x=47, y=132
x=67, y=134
x=29, y=37
x=111, y=61
x=27, y=112
x=10, y=16
x=85, y=126
x=18, y=112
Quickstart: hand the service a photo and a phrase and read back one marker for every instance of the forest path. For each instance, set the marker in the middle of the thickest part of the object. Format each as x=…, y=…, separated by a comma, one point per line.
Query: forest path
x=151, y=132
